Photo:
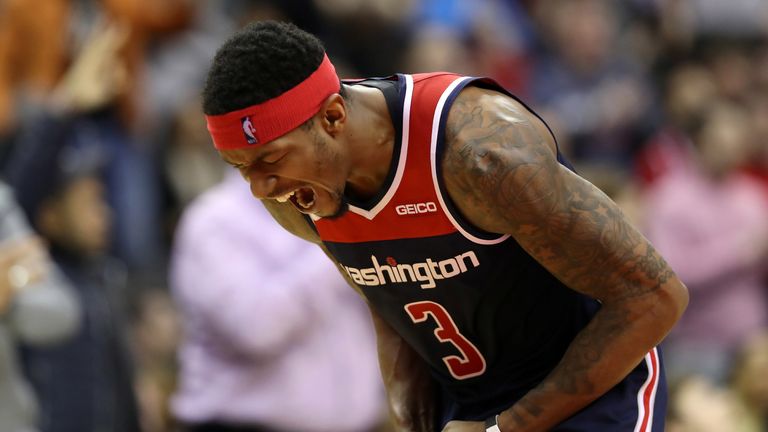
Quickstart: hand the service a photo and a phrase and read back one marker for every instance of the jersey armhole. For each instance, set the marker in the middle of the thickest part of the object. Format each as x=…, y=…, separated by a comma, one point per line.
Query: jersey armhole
x=469, y=230
x=487, y=83
x=466, y=228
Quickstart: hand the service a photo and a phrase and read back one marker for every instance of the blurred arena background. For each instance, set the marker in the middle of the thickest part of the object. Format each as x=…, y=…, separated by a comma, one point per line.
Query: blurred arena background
x=663, y=104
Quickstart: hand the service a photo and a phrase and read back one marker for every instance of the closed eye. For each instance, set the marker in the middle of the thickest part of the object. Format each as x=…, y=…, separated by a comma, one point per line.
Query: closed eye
x=272, y=159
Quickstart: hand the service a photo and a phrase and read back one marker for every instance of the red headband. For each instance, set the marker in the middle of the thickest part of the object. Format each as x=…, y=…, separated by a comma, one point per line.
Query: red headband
x=261, y=123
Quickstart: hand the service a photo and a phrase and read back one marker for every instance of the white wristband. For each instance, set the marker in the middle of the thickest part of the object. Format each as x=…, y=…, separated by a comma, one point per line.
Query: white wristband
x=492, y=424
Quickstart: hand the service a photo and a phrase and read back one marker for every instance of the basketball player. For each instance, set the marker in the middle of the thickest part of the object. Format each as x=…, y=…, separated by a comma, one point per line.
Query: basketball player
x=509, y=294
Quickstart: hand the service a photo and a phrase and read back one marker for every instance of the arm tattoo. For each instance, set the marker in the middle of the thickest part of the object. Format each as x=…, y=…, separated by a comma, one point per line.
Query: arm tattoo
x=502, y=172
x=508, y=171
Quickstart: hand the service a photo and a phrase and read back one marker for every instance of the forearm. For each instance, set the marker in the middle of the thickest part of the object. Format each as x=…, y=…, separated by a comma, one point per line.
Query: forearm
x=409, y=386
x=602, y=354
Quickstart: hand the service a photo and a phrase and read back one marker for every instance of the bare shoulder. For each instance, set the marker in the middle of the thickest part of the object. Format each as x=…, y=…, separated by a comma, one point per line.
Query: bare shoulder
x=501, y=170
x=495, y=149
x=292, y=220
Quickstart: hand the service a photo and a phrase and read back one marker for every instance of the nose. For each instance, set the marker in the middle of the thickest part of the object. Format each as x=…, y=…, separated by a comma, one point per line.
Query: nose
x=262, y=186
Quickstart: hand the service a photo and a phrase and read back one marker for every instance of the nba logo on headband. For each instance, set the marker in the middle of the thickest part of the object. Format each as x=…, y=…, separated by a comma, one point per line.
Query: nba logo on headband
x=273, y=118
x=248, y=130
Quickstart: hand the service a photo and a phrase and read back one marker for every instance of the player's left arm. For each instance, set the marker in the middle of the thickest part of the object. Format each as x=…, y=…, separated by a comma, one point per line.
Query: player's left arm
x=502, y=172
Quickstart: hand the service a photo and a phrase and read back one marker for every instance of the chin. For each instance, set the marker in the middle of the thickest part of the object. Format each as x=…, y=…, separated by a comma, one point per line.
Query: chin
x=340, y=210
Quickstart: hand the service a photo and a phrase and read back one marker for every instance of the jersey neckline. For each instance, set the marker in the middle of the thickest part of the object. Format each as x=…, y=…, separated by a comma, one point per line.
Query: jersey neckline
x=396, y=90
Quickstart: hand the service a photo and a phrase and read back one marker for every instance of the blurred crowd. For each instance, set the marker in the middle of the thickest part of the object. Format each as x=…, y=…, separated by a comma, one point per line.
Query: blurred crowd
x=663, y=104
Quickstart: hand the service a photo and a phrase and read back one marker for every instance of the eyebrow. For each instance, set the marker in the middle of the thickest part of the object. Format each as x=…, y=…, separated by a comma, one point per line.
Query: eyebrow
x=258, y=158
x=227, y=161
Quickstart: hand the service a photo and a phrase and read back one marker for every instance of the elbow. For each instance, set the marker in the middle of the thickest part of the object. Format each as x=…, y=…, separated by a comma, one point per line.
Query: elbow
x=265, y=346
x=266, y=339
x=679, y=297
x=66, y=326
x=47, y=315
x=671, y=302
x=56, y=327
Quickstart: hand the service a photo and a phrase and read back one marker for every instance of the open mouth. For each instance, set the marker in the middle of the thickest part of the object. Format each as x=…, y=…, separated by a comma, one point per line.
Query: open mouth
x=303, y=198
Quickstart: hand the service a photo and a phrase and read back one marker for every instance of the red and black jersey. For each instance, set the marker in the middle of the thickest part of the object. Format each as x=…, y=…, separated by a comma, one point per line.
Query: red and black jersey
x=489, y=320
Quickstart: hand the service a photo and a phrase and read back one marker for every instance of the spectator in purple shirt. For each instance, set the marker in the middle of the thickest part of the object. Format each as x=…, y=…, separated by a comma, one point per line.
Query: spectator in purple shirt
x=711, y=222
x=274, y=339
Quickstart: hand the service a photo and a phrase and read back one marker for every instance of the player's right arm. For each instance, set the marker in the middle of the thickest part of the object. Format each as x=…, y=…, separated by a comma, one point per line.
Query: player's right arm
x=502, y=172
x=409, y=385
x=405, y=375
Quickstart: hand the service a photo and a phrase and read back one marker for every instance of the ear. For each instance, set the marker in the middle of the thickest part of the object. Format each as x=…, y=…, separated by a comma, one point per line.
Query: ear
x=333, y=114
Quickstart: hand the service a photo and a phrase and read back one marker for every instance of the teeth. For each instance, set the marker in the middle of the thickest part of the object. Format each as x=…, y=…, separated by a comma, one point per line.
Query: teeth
x=307, y=205
x=285, y=197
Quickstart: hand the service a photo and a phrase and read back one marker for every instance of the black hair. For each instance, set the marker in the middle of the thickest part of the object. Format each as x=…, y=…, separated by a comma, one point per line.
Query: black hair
x=258, y=63
x=51, y=156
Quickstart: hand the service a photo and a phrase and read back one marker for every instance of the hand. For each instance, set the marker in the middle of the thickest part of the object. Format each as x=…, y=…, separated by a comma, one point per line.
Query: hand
x=98, y=74
x=464, y=426
x=22, y=262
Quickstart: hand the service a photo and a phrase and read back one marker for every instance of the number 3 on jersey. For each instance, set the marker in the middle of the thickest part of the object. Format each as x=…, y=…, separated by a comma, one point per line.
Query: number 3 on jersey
x=470, y=363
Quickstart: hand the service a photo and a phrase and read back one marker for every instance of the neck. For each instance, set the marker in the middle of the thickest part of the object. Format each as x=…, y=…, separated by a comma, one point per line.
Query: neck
x=371, y=139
